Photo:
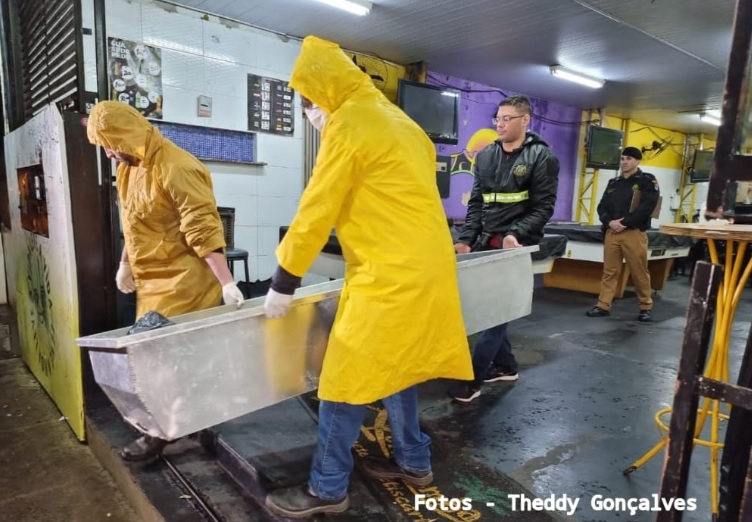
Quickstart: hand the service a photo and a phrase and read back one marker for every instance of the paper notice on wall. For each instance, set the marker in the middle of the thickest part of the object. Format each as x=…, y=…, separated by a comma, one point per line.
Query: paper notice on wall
x=270, y=106
x=135, y=75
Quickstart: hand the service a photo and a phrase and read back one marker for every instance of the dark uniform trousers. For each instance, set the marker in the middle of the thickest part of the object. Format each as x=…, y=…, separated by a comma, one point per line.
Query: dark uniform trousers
x=632, y=246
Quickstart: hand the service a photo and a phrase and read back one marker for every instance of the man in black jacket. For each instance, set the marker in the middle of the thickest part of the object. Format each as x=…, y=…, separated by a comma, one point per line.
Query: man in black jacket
x=513, y=197
x=625, y=210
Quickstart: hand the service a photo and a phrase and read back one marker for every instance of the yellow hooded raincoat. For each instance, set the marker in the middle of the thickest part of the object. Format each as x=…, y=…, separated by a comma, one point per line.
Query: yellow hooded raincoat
x=168, y=212
x=399, y=321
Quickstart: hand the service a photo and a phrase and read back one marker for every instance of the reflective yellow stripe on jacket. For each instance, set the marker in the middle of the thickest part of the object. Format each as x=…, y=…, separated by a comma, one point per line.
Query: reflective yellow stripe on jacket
x=506, y=197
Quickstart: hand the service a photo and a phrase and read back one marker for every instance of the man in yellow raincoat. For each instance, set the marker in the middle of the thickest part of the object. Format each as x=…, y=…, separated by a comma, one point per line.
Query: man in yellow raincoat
x=174, y=241
x=399, y=321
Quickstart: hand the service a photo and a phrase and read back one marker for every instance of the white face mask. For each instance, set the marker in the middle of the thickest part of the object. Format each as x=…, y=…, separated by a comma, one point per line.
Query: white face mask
x=316, y=116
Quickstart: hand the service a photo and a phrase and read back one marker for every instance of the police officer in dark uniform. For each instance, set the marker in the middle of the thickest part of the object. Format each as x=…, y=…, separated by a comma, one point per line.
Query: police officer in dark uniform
x=513, y=196
x=625, y=211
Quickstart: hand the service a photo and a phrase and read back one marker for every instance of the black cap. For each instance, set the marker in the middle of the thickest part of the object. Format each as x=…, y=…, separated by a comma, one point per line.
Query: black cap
x=632, y=152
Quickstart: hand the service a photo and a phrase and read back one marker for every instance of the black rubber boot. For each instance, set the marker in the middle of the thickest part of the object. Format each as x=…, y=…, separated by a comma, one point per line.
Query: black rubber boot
x=597, y=311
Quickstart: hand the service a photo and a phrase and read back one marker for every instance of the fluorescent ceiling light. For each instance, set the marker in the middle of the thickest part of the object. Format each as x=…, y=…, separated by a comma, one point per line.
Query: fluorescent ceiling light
x=566, y=74
x=356, y=7
x=448, y=93
x=709, y=118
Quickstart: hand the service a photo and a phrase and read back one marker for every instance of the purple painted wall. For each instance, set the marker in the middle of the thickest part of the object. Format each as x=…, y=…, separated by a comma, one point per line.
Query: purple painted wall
x=476, y=131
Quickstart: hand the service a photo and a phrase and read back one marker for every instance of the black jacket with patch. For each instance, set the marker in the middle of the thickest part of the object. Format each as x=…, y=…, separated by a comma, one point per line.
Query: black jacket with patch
x=532, y=168
x=633, y=198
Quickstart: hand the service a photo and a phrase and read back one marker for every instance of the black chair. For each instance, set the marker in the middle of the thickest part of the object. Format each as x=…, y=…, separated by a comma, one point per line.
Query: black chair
x=227, y=215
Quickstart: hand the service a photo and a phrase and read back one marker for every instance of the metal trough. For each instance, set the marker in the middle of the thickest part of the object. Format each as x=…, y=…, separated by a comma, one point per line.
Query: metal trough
x=218, y=364
x=333, y=265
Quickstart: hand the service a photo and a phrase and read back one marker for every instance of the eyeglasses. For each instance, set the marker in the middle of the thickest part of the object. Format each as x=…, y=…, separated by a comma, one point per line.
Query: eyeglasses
x=506, y=119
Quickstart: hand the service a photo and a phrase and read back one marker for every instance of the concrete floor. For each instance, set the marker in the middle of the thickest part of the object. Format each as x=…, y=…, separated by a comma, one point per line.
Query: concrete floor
x=581, y=413
x=47, y=475
x=583, y=408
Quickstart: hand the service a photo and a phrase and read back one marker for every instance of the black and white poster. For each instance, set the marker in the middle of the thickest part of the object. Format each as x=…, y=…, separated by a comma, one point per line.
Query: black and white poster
x=270, y=106
x=135, y=75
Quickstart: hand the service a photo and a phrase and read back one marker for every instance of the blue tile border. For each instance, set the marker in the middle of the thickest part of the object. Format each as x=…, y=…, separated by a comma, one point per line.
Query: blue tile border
x=211, y=144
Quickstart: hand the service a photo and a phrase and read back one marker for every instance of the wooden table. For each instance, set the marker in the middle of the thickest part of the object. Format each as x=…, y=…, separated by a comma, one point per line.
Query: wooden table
x=734, y=239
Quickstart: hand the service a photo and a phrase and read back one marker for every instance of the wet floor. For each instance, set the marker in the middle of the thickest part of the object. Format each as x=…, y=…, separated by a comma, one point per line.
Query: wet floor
x=580, y=414
x=583, y=408
x=47, y=475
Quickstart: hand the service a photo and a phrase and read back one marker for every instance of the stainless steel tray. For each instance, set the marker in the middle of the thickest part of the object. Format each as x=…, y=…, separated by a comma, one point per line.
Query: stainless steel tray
x=218, y=364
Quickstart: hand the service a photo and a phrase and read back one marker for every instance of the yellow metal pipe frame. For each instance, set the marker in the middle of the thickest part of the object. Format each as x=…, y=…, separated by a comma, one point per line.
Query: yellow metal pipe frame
x=717, y=368
x=587, y=185
x=587, y=190
x=687, y=192
x=687, y=189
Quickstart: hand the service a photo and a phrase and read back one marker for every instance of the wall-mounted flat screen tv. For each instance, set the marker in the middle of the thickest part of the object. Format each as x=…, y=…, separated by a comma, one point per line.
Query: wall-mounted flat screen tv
x=603, y=148
x=702, y=164
x=436, y=109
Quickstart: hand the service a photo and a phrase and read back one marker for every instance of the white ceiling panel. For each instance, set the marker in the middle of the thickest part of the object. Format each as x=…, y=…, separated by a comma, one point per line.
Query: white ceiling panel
x=660, y=58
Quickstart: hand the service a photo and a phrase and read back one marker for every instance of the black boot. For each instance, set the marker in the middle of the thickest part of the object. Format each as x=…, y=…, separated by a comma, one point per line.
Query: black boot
x=299, y=502
x=464, y=391
x=143, y=448
x=597, y=311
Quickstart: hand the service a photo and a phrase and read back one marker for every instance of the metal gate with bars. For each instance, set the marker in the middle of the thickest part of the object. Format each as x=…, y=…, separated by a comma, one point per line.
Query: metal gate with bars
x=44, y=37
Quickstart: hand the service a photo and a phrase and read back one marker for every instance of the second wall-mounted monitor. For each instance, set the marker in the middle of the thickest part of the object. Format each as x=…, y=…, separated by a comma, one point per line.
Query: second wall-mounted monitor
x=436, y=109
x=603, y=148
x=702, y=165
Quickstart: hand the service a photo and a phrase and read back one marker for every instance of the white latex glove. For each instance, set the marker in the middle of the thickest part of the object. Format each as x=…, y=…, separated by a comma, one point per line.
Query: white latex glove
x=231, y=294
x=124, y=278
x=276, y=305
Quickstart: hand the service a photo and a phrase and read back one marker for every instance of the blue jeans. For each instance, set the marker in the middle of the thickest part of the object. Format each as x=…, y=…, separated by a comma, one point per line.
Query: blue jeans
x=492, y=349
x=339, y=428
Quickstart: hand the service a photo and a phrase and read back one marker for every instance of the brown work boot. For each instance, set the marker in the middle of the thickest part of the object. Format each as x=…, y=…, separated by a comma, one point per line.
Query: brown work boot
x=299, y=502
x=389, y=469
x=143, y=448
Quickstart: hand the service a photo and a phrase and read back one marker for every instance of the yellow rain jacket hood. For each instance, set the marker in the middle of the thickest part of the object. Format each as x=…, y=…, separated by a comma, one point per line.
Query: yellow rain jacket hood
x=399, y=321
x=168, y=213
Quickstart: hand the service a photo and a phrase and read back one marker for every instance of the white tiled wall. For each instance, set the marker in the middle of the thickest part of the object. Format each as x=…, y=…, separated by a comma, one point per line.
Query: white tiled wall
x=204, y=57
